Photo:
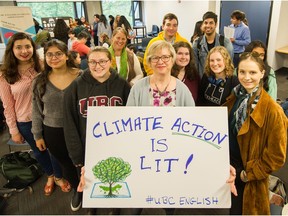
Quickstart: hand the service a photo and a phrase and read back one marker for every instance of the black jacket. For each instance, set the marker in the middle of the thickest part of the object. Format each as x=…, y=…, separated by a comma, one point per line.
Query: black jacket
x=87, y=91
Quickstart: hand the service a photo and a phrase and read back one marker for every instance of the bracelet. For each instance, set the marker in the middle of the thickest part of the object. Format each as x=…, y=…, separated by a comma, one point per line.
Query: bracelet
x=243, y=176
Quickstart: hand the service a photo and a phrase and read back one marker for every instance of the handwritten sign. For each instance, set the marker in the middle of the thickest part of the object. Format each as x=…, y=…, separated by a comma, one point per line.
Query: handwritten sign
x=168, y=157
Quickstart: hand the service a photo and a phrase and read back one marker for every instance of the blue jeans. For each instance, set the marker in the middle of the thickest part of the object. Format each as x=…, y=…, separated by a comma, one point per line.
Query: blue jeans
x=49, y=164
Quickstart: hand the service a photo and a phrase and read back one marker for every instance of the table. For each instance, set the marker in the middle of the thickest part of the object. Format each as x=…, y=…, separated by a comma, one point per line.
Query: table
x=283, y=50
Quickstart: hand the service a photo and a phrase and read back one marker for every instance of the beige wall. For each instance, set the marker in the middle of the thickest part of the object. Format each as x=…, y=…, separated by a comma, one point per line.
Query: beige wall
x=278, y=35
x=6, y=3
x=93, y=7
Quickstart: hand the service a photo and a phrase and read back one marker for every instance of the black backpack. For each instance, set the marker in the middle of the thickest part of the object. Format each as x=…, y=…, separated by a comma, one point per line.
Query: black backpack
x=2, y=117
x=19, y=169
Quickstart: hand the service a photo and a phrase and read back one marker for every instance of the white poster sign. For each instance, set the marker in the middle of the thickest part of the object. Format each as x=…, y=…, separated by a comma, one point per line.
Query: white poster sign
x=16, y=19
x=167, y=157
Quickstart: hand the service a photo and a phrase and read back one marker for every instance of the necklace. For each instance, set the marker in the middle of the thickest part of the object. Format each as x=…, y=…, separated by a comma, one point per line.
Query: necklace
x=161, y=93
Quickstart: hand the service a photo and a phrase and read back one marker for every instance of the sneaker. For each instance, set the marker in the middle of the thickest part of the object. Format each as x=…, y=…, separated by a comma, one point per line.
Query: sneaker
x=76, y=201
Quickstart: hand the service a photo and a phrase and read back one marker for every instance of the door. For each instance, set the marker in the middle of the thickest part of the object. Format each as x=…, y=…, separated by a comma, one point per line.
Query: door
x=257, y=14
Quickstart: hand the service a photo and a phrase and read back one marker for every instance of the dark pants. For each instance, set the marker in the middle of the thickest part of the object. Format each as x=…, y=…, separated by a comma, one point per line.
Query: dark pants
x=95, y=37
x=236, y=59
x=49, y=164
x=55, y=141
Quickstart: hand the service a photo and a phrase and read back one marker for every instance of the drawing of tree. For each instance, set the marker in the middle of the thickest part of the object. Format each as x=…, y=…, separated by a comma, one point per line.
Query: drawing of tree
x=111, y=171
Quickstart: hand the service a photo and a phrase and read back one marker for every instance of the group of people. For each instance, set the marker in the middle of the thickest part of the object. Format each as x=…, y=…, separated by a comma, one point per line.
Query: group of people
x=46, y=104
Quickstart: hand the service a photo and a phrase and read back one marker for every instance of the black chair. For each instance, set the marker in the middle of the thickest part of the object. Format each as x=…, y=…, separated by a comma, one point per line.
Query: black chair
x=154, y=32
x=144, y=44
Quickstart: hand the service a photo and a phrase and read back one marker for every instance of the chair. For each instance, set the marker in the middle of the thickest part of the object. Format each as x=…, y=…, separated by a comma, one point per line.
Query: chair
x=10, y=143
x=144, y=44
x=154, y=32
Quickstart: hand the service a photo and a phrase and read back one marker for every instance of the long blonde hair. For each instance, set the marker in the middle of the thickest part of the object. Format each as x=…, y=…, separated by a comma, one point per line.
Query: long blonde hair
x=229, y=67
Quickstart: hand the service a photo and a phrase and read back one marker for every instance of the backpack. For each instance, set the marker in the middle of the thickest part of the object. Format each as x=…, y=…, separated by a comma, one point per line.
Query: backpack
x=2, y=117
x=19, y=169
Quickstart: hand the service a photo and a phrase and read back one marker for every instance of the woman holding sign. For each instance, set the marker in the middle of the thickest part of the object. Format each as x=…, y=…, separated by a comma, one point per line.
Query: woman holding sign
x=99, y=85
x=257, y=137
x=161, y=88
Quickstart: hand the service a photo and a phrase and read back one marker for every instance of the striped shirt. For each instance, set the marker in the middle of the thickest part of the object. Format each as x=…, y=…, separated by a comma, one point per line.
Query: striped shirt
x=17, y=99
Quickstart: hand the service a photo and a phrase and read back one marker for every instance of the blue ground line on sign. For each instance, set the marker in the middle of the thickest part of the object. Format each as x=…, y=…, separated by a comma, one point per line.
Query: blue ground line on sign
x=182, y=134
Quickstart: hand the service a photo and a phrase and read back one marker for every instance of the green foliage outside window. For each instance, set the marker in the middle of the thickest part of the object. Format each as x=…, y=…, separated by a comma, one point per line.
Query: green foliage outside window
x=117, y=7
x=51, y=9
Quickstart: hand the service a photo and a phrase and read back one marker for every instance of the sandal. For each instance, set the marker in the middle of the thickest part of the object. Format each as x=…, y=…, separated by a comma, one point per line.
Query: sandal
x=63, y=184
x=48, y=189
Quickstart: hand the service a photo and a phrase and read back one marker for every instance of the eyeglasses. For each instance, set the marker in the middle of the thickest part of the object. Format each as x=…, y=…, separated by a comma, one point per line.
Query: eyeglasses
x=101, y=63
x=164, y=58
x=57, y=55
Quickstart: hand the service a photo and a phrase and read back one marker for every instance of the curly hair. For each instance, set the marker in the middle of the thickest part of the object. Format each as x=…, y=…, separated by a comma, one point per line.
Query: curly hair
x=190, y=68
x=229, y=67
x=9, y=69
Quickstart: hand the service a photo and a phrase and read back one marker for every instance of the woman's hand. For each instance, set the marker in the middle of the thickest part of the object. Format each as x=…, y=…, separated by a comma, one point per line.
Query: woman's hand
x=82, y=180
x=40, y=143
x=231, y=180
x=18, y=138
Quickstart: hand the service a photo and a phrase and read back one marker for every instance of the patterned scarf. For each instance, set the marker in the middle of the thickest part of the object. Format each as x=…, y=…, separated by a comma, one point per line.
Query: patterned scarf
x=243, y=96
x=123, y=61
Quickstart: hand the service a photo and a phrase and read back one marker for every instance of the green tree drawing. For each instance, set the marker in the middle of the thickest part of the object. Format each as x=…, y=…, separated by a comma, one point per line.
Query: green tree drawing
x=111, y=171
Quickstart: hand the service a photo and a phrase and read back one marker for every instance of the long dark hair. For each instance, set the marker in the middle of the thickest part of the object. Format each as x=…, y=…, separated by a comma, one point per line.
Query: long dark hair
x=9, y=69
x=42, y=79
x=260, y=44
x=125, y=22
x=190, y=69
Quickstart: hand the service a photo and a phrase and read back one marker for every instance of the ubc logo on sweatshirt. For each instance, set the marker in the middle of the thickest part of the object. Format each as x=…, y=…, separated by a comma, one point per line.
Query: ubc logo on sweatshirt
x=98, y=101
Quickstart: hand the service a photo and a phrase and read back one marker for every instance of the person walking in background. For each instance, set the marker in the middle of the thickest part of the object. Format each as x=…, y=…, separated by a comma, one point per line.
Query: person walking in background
x=111, y=21
x=210, y=39
x=242, y=35
x=197, y=31
x=169, y=34
x=20, y=66
x=47, y=113
x=269, y=79
x=61, y=30
x=218, y=80
x=123, y=61
x=95, y=29
x=124, y=23
x=103, y=27
x=185, y=69
x=257, y=137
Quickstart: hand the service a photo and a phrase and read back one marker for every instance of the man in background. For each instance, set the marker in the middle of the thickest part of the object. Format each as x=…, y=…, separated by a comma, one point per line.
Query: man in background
x=169, y=34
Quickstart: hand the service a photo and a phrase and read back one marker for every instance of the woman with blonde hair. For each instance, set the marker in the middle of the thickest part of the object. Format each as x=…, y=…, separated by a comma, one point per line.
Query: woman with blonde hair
x=124, y=61
x=218, y=79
